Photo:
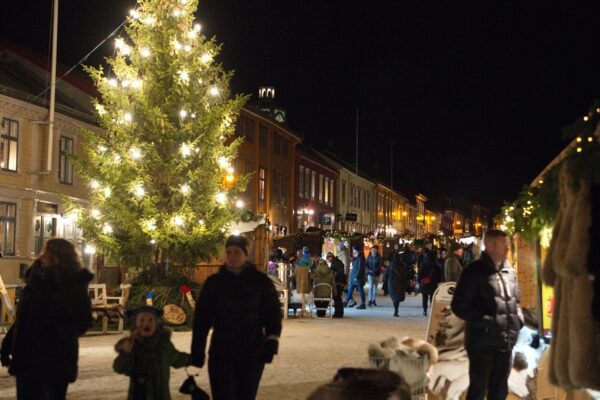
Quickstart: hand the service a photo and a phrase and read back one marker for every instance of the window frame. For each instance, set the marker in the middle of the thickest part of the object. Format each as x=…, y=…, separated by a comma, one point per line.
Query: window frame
x=5, y=223
x=6, y=139
x=262, y=184
x=65, y=179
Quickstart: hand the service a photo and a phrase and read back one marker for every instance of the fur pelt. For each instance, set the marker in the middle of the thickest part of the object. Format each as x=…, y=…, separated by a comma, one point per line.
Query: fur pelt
x=575, y=349
x=407, y=347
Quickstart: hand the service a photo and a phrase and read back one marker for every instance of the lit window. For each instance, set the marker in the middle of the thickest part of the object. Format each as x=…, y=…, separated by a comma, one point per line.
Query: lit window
x=9, y=145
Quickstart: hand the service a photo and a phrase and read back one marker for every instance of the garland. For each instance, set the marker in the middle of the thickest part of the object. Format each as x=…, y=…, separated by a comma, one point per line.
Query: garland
x=533, y=213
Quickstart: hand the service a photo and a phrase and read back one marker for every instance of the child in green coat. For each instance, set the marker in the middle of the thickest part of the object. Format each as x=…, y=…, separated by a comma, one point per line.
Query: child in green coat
x=146, y=356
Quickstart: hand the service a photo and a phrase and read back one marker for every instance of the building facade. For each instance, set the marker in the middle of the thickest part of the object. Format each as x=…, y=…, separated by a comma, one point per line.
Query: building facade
x=267, y=156
x=315, y=191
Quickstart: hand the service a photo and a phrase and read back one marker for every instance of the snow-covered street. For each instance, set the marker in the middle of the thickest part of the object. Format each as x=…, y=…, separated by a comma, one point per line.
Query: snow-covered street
x=311, y=352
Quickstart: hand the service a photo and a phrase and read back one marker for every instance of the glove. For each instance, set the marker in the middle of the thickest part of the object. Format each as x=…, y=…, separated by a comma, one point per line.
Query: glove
x=5, y=359
x=269, y=350
x=198, y=361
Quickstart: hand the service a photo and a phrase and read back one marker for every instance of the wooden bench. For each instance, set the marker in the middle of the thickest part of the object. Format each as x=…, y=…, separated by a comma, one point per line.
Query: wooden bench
x=108, y=307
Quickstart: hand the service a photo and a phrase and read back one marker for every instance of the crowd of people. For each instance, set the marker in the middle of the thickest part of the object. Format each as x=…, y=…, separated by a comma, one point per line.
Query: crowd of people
x=405, y=270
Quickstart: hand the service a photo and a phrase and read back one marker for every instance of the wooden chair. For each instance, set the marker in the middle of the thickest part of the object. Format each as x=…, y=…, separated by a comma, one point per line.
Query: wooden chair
x=108, y=307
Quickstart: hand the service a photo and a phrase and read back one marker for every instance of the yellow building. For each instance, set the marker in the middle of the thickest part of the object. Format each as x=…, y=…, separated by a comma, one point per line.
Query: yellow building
x=31, y=210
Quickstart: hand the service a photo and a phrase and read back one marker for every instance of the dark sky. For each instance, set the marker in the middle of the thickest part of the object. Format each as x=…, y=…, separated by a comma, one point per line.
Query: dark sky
x=474, y=93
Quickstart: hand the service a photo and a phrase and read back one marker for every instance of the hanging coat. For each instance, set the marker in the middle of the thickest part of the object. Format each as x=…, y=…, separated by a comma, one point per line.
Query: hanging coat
x=575, y=349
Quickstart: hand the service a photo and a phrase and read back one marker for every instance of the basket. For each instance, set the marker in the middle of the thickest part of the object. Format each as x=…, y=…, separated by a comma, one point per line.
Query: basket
x=412, y=370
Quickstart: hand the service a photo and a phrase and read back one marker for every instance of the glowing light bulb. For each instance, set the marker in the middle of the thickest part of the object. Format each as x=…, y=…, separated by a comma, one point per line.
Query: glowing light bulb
x=579, y=140
x=134, y=13
x=107, y=191
x=579, y=149
x=586, y=118
x=95, y=213
x=137, y=84
x=177, y=45
x=127, y=117
x=150, y=224
x=223, y=162
x=590, y=139
x=240, y=204
x=112, y=82
x=184, y=76
x=117, y=158
x=185, y=189
x=183, y=2
x=177, y=12
x=229, y=178
x=102, y=149
x=119, y=43
x=178, y=220
x=236, y=233
x=185, y=150
x=139, y=191
x=125, y=83
x=206, y=58
x=152, y=241
x=94, y=184
x=193, y=115
x=187, y=48
x=89, y=249
x=150, y=20
x=145, y=52
x=221, y=197
x=192, y=34
x=135, y=153
x=201, y=222
x=107, y=229
x=214, y=91
x=198, y=27
x=183, y=114
x=100, y=108
x=230, y=170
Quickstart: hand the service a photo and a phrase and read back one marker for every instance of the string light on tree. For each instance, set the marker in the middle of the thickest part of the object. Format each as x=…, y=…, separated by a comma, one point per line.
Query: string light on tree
x=127, y=117
x=178, y=220
x=183, y=114
x=95, y=213
x=239, y=204
x=135, y=153
x=185, y=150
x=145, y=52
x=185, y=189
x=139, y=191
x=107, y=192
x=213, y=91
x=107, y=229
x=221, y=198
x=94, y=184
x=206, y=58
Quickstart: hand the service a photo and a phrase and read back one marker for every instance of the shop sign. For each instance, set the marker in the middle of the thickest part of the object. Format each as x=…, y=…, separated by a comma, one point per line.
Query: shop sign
x=351, y=217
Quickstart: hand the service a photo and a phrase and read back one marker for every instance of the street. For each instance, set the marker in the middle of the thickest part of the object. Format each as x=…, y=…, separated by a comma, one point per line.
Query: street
x=310, y=353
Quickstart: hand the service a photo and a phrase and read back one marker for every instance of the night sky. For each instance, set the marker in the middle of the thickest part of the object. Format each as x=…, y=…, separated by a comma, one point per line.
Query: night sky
x=473, y=95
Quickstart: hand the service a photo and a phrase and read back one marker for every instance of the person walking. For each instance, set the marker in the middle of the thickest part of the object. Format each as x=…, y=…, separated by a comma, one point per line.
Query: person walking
x=396, y=279
x=374, y=264
x=409, y=257
x=323, y=274
x=430, y=275
x=357, y=278
x=340, y=281
x=453, y=265
x=241, y=306
x=41, y=349
x=344, y=257
x=487, y=298
x=390, y=261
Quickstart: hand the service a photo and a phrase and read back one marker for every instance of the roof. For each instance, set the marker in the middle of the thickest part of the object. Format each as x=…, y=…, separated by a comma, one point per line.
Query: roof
x=314, y=156
x=23, y=76
x=254, y=109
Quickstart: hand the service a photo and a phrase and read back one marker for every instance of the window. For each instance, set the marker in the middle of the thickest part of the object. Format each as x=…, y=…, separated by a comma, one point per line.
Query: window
x=249, y=130
x=285, y=145
x=331, y=189
x=326, y=194
x=358, y=194
x=8, y=223
x=301, y=181
x=279, y=188
x=277, y=139
x=262, y=184
x=307, y=183
x=262, y=137
x=343, y=191
x=65, y=166
x=313, y=183
x=351, y=195
x=9, y=145
x=320, y=188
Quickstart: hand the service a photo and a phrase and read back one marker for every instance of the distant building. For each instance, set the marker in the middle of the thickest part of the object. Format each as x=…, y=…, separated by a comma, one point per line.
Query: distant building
x=267, y=154
x=316, y=190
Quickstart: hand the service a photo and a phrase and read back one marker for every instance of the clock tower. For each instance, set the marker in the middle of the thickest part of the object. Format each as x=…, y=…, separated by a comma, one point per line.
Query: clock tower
x=266, y=102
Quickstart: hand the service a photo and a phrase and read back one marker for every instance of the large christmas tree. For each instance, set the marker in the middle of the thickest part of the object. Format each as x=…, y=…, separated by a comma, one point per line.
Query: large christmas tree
x=162, y=188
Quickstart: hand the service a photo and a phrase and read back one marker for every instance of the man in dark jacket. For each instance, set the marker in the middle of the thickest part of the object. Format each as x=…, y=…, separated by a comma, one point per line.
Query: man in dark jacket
x=241, y=305
x=396, y=279
x=409, y=257
x=337, y=267
x=487, y=298
x=429, y=277
x=357, y=278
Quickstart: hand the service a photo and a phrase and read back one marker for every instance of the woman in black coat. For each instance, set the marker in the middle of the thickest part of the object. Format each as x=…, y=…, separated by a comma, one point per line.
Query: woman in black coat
x=42, y=347
x=430, y=275
x=241, y=306
x=396, y=279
